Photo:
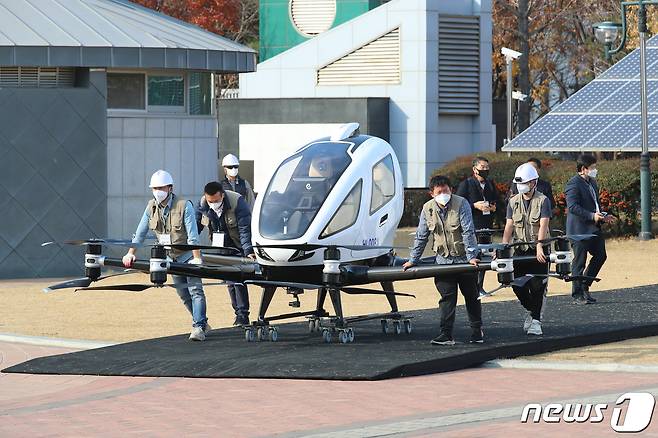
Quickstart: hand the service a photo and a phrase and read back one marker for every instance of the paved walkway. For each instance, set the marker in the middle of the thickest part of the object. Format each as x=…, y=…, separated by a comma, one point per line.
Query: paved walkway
x=468, y=403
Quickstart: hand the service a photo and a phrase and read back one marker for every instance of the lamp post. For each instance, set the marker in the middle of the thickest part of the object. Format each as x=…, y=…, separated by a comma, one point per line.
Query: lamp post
x=510, y=56
x=606, y=33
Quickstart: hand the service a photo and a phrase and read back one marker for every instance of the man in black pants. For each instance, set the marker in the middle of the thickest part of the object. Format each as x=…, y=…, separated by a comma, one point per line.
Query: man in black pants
x=585, y=217
x=483, y=198
x=448, y=218
x=528, y=216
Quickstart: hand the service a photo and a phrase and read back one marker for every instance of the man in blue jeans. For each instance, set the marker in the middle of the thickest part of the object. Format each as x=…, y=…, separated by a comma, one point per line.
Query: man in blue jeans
x=227, y=216
x=173, y=220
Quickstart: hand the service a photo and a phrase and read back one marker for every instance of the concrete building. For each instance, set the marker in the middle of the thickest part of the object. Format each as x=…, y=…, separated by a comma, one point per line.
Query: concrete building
x=427, y=63
x=95, y=95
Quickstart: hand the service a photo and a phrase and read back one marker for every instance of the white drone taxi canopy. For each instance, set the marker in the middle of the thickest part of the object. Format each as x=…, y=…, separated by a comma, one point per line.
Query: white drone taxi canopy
x=342, y=190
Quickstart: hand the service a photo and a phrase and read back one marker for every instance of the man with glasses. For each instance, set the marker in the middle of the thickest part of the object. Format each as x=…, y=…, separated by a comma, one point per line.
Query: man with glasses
x=234, y=183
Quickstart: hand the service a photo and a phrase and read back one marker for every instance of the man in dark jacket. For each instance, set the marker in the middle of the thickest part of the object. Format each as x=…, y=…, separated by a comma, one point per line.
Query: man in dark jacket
x=228, y=219
x=584, y=216
x=483, y=197
x=543, y=186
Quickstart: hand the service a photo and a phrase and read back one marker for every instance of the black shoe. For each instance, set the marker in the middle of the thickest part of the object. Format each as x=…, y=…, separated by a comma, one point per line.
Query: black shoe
x=580, y=300
x=477, y=336
x=443, y=339
x=588, y=296
x=241, y=320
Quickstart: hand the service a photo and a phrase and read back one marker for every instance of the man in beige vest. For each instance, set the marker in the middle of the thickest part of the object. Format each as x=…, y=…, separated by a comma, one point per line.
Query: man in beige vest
x=227, y=216
x=528, y=217
x=448, y=219
x=173, y=221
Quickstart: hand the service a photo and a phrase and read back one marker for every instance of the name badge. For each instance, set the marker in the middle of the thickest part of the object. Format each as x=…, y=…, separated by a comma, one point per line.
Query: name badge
x=218, y=239
x=164, y=239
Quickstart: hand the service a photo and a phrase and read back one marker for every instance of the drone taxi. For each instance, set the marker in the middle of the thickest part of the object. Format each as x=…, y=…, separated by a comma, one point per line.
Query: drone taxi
x=326, y=222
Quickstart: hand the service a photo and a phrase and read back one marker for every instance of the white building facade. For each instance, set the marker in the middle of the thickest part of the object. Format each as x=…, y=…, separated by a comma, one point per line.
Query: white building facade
x=430, y=58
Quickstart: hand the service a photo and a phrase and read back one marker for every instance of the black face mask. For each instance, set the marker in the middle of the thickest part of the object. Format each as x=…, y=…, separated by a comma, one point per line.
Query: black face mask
x=483, y=173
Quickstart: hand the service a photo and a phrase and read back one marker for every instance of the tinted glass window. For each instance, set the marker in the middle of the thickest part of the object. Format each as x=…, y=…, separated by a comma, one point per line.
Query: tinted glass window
x=125, y=91
x=383, y=184
x=299, y=187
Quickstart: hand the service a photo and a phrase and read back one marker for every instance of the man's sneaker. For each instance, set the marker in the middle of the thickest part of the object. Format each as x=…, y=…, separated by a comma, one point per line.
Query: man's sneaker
x=241, y=320
x=443, y=339
x=527, y=322
x=482, y=293
x=580, y=300
x=590, y=299
x=477, y=336
x=535, y=328
x=197, y=334
x=207, y=328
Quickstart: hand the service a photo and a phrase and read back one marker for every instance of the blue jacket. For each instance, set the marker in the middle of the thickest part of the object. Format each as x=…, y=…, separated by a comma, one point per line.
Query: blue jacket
x=218, y=224
x=581, y=206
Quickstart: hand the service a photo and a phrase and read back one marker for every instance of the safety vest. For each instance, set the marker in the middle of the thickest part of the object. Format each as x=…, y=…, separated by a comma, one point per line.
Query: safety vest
x=448, y=240
x=231, y=198
x=173, y=224
x=526, y=220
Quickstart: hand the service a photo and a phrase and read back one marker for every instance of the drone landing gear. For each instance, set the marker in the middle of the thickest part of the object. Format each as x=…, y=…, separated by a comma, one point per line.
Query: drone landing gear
x=260, y=333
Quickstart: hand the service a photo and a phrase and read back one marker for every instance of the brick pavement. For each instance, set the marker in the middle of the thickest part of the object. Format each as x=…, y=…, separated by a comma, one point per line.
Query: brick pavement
x=39, y=405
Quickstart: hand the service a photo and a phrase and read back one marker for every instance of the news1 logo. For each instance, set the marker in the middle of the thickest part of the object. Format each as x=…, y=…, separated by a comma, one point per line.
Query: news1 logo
x=638, y=412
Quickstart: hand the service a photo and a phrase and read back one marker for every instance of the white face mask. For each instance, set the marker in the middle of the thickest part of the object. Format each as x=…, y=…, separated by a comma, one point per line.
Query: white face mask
x=217, y=206
x=442, y=199
x=592, y=173
x=523, y=188
x=232, y=172
x=160, y=195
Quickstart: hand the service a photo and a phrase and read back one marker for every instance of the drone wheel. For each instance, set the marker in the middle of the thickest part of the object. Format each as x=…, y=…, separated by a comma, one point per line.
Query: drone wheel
x=407, y=326
x=343, y=337
x=384, y=326
x=261, y=333
x=274, y=334
x=397, y=327
x=350, y=334
x=326, y=335
x=249, y=335
x=311, y=325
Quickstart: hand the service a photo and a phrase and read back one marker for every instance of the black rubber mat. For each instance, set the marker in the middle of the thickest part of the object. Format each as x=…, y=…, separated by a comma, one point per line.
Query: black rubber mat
x=298, y=354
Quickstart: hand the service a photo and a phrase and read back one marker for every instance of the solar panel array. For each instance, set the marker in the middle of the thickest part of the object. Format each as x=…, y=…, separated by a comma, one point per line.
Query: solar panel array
x=604, y=115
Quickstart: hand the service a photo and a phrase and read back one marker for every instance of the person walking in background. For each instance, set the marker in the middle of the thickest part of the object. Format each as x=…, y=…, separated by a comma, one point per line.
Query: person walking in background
x=543, y=186
x=481, y=193
x=584, y=216
x=234, y=183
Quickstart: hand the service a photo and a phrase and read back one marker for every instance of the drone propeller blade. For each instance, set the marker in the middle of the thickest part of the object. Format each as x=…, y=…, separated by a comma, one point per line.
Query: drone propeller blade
x=265, y=283
x=583, y=277
x=523, y=281
x=104, y=242
x=362, y=291
x=143, y=287
x=78, y=282
x=221, y=249
x=124, y=287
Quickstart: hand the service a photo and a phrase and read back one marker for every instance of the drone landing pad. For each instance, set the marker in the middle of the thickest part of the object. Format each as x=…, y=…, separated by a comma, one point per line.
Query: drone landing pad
x=618, y=315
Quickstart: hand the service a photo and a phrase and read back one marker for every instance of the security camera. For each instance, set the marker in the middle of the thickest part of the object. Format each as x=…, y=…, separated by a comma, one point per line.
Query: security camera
x=509, y=53
x=517, y=95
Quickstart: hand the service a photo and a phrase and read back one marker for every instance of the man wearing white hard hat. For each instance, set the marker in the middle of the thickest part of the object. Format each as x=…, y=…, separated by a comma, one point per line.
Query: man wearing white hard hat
x=528, y=217
x=234, y=183
x=173, y=220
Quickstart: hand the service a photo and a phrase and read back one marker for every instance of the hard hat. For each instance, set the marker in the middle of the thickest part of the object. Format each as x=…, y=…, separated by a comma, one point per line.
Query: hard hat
x=161, y=178
x=525, y=172
x=230, y=160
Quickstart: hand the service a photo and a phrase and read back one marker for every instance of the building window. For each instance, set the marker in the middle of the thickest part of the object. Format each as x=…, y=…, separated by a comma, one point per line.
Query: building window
x=312, y=17
x=383, y=184
x=200, y=93
x=126, y=91
x=166, y=91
